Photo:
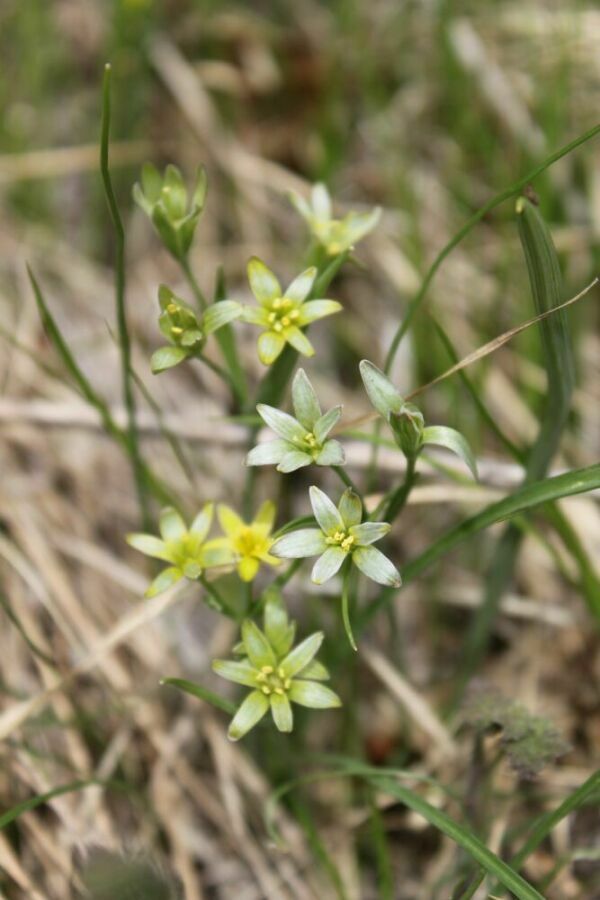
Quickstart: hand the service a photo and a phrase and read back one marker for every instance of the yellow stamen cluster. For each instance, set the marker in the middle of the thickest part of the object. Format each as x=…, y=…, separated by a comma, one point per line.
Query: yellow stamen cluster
x=283, y=313
x=342, y=539
x=273, y=682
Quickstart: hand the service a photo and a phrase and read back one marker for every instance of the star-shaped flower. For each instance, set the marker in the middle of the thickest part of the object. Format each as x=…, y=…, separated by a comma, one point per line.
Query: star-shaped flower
x=278, y=675
x=283, y=315
x=340, y=535
x=185, y=548
x=186, y=329
x=301, y=440
x=248, y=543
x=335, y=235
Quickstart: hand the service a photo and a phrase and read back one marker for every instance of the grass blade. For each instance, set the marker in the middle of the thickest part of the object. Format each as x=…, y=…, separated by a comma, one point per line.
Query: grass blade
x=12, y=814
x=202, y=693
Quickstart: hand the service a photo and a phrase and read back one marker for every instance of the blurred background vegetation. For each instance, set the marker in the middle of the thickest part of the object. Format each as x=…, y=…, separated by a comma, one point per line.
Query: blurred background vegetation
x=427, y=109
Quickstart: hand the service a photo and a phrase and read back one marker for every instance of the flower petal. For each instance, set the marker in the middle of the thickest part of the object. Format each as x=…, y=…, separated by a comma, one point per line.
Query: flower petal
x=167, y=357
x=376, y=566
x=150, y=545
x=220, y=314
x=328, y=565
x=357, y=225
x=260, y=653
x=248, y=568
x=332, y=454
x=284, y=425
x=315, y=670
x=270, y=345
x=263, y=282
x=313, y=695
x=268, y=454
x=278, y=628
x=281, y=711
x=350, y=508
x=171, y=525
x=381, y=392
x=454, y=441
x=266, y=515
x=323, y=426
x=321, y=201
x=299, y=341
x=201, y=524
x=229, y=520
x=301, y=655
x=299, y=544
x=325, y=512
x=255, y=315
x=317, y=309
x=301, y=286
x=238, y=672
x=217, y=552
x=306, y=404
x=369, y=532
x=300, y=205
x=248, y=715
x=164, y=580
x=294, y=459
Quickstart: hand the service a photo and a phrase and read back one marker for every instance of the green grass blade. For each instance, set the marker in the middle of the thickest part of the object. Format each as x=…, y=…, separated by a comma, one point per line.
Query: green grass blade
x=500, y=198
x=40, y=799
x=202, y=693
x=133, y=446
x=529, y=496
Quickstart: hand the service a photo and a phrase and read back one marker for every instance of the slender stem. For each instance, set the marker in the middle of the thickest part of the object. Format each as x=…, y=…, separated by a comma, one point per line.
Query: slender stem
x=400, y=495
x=214, y=599
x=124, y=342
x=217, y=369
x=191, y=280
x=291, y=570
x=346, y=603
x=343, y=475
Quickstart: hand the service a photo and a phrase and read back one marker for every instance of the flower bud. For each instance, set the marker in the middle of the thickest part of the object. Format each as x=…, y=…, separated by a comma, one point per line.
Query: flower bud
x=407, y=426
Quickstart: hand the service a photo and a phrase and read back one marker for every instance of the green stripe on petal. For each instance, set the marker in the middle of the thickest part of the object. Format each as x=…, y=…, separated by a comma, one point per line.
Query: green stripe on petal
x=270, y=345
x=293, y=460
x=323, y=426
x=328, y=565
x=313, y=695
x=350, y=508
x=376, y=566
x=166, y=579
x=268, y=454
x=220, y=314
x=263, y=282
x=315, y=670
x=238, y=672
x=299, y=341
x=304, y=398
x=299, y=544
x=171, y=525
x=321, y=201
x=369, y=532
x=248, y=715
x=201, y=524
x=300, y=656
x=301, y=286
x=332, y=454
x=281, y=711
x=284, y=425
x=255, y=315
x=150, y=545
x=260, y=653
x=325, y=512
x=317, y=309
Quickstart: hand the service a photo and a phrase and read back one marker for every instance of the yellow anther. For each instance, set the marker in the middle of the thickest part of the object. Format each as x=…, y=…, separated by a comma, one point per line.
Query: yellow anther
x=272, y=317
x=347, y=542
x=279, y=691
x=276, y=304
x=287, y=683
x=261, y=676
x=294, y=314
x=339, y=536
x=172, y=308
x=176, y=330
x=266, y=690
x=310, y=439
x=285, y=321
x=278, y=327
x=281, y=672
x=266, y=670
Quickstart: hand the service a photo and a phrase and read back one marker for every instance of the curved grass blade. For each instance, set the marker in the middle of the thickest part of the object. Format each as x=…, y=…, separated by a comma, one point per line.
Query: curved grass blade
x=39, y=800
x=202, y=693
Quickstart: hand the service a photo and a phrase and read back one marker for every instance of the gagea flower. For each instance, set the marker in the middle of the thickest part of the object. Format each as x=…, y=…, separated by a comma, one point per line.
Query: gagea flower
x=340, y=535
x=247, y=543
x=277, y=674
x=301, y=440
x=335, y=235
x=185, y=548
x=283, y=315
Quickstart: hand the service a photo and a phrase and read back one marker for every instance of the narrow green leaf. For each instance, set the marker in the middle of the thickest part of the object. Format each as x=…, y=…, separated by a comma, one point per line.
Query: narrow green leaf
x=202, y=693
x=453, y=440
x=12, y=814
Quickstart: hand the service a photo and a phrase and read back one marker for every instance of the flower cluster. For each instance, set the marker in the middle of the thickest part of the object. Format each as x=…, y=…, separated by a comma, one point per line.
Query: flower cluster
x=164, y=199
x=277, y=674
x=334, y=235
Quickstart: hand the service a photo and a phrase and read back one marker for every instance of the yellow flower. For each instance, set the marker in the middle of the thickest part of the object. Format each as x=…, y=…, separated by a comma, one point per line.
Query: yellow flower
x=249, y=542
x=335, y=235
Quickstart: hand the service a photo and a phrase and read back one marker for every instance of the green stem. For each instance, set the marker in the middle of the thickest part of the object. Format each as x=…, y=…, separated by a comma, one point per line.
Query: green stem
x=217, y=369
x=214, y=599
x=124, y=342
x=346, y=603
x=191, y=280
x=345, y=478
x=289, y=573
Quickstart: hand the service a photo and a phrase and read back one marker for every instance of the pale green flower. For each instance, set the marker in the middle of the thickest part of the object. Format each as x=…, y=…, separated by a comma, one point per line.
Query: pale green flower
x=248, y=543
x=186, y=329
x=164, y=199
x=283, y=315
x=407, y=422
x=340, y=536
x=301, y=440
x=185, y=548
x=335, y=235
x=277, y=674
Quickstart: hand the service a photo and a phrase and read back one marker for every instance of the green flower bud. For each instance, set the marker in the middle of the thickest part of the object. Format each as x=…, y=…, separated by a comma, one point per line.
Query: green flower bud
x=407, y=426
x=164, y=199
